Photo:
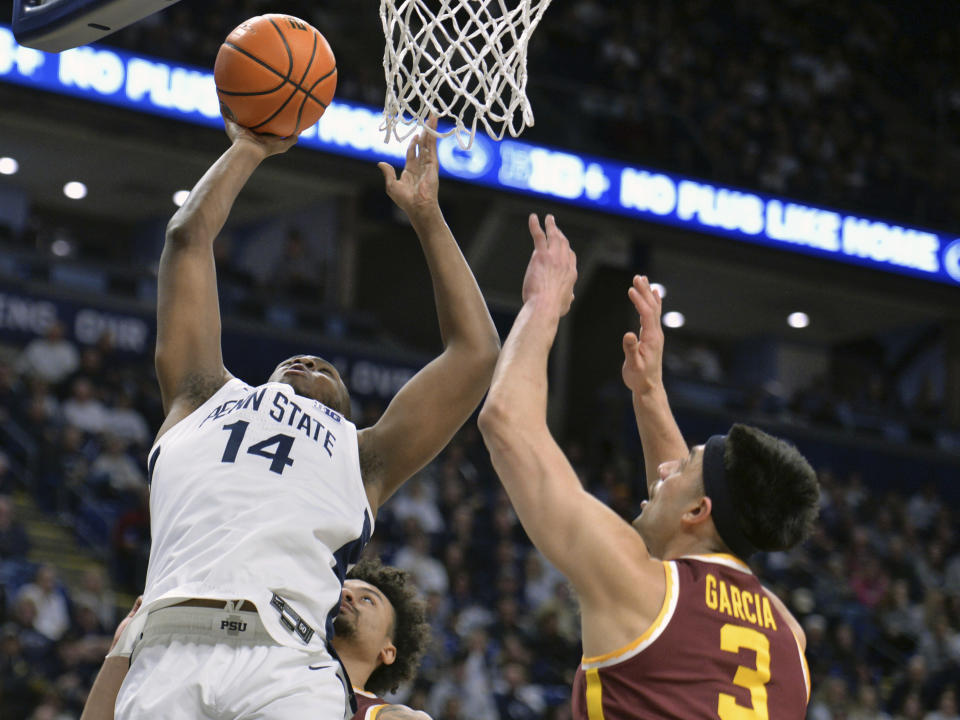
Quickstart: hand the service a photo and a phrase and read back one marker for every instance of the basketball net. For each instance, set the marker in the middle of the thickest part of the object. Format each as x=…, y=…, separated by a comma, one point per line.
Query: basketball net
x=463, y=60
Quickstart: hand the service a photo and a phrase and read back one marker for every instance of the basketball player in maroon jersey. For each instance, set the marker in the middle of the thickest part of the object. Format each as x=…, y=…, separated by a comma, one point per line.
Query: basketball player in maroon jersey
x=674, y=624
x=381, y=633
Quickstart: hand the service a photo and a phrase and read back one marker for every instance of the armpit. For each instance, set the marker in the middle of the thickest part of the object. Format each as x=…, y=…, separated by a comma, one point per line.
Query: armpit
x=197, y=388
x=371, y=464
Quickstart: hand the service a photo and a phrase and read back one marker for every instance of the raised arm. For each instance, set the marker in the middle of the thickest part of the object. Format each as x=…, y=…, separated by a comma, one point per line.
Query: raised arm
x=604, y=558
x=643, y=375
x=427, y=411
x=188, y=356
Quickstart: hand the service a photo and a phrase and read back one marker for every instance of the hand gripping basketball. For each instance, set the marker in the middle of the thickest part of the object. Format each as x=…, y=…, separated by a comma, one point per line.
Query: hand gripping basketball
x=275, y=74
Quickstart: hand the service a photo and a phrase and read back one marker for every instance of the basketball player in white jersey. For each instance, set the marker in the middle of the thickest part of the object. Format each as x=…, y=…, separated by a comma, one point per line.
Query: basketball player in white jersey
x=263, y=495
x=381, y=635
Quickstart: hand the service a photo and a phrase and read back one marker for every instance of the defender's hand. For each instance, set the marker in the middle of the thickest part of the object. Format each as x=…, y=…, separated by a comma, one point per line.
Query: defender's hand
x=266, y=144
x=417, y=189
x=643, y=350
x=552, y=270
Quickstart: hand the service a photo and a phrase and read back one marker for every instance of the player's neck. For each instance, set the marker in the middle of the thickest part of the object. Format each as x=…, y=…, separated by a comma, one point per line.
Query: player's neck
x=358, y=670
x=686, y=544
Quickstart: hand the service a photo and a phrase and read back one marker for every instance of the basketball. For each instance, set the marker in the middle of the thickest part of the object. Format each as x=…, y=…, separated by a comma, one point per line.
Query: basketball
x=275, y=74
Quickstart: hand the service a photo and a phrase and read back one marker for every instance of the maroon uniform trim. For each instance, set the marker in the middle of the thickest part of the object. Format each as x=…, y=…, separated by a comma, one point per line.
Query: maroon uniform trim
x=368, y=705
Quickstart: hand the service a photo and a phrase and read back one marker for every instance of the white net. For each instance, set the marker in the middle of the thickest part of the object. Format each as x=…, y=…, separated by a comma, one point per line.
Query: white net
x=463, y=60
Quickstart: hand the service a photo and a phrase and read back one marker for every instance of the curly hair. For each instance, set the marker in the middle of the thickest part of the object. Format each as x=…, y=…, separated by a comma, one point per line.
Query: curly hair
x=410, y=632
x=775, y=489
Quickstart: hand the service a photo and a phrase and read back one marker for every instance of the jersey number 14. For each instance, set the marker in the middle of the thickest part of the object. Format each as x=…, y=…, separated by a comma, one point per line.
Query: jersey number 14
x=276, y=448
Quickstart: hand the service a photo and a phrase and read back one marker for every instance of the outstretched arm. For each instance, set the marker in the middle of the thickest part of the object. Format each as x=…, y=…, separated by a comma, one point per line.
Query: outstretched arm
x=604, y=558
x=188, y=356
x=103, y=695
x=431, y=407
x=643, y=375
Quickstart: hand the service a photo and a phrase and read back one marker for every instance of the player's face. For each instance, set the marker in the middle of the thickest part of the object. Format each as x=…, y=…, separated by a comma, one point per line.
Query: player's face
x=315, y=378
x=365, y=621
x=678, y=484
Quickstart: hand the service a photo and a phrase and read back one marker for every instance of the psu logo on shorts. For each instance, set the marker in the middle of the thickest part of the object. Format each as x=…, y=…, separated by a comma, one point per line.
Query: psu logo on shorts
x=233, y=625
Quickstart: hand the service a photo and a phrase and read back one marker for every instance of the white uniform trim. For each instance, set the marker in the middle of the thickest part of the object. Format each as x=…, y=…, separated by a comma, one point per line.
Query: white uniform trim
x=652, y=633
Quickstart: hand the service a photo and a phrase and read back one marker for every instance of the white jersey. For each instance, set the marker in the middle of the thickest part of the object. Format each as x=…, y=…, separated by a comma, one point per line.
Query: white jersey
x=258, y=494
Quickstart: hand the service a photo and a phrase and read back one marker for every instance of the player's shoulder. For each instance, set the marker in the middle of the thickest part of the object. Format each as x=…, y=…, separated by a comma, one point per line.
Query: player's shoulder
x=795, y=627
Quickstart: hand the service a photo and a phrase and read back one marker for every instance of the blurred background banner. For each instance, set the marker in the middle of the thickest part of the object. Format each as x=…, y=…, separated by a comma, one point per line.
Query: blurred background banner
x=188, y=94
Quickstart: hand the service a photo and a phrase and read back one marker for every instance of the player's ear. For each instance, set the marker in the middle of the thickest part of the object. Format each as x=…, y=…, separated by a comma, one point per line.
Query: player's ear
x=698, y=510
x=388, y=654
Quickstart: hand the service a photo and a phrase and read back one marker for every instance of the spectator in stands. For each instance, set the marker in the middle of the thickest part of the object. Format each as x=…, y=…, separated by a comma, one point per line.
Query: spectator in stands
x=830, y=700
x=7, y=480
x=114, y=472
x=416, y=500
x=52, y=613
x=50, y=358
x=39, y=408
x=83, y=409
x=946, y=706
x=14, y=543
x=428, y=573
x=130, y=544
x=17, y=681
x=35, y=647
x=516, y=698
x=10, y=391
x=467, y=680
x=126, y=422
x=92, y=368
x=96, y=595
x=914, y=689
x=867, y=706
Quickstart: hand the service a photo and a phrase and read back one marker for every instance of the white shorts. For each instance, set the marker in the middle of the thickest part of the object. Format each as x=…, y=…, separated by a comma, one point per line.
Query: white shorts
x=209, y=663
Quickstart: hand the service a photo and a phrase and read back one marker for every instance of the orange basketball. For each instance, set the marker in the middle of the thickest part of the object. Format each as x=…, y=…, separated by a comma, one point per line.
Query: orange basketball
x=275, y=74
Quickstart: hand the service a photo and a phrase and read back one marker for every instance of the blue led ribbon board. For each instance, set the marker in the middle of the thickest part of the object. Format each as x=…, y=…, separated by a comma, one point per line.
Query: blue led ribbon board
x=57, y=25
x=188, y=94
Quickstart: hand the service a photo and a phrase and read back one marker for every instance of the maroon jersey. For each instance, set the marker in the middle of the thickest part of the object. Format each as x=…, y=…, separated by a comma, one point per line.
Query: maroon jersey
x=718, y=649
x=368, y=705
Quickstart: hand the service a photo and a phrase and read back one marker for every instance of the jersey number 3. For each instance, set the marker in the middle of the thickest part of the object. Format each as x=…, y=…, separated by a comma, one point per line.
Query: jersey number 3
x=276, y=449
x=732, y=639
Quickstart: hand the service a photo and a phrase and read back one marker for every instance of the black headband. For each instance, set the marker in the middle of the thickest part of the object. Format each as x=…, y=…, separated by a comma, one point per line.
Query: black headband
x=716, y=487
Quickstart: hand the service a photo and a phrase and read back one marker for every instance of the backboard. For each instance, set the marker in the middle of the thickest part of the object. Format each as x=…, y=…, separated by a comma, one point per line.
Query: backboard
x=56, y=25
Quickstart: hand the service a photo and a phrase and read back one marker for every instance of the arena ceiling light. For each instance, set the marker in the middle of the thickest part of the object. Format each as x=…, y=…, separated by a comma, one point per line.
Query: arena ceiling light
x=61, y=247
x=180, y=197
x=798, y=320
x=674, y=319
x=75, y=190
x=8, y=166
x=659, y=289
